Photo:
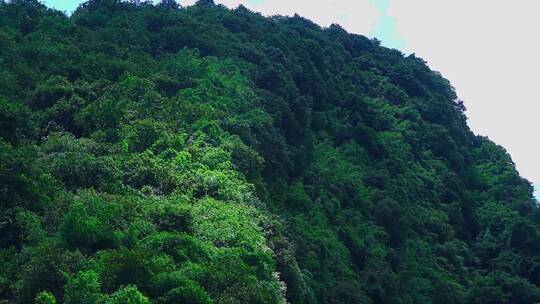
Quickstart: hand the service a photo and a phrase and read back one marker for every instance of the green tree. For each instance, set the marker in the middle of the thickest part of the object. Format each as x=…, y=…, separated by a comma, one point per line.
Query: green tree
x=83, y=288
x=45, y=297
x=127, y=295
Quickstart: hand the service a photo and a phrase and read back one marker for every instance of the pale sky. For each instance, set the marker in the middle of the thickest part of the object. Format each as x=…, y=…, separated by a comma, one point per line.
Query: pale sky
x=488, y=49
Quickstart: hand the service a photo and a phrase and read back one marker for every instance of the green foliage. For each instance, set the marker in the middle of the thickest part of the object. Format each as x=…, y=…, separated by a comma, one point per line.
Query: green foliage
x=77, y=162
x=127, y=295
x=89, y=224
x=151, y=153
x=15, y=121
x=182, y=290
x=51, y=91
x=44, y=297
x=83, y=288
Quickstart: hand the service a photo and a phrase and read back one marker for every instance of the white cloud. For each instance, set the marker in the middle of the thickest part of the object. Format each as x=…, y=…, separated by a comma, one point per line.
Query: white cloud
x=490, y=51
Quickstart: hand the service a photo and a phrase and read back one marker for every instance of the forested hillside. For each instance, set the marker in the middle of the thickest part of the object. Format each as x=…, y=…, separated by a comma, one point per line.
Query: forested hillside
x=153, y=153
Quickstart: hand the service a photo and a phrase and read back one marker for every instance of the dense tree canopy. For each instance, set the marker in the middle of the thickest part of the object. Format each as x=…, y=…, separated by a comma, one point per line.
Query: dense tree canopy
x=153, y=153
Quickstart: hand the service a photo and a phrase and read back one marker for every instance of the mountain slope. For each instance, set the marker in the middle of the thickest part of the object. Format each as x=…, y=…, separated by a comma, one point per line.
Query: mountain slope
x=158, y=154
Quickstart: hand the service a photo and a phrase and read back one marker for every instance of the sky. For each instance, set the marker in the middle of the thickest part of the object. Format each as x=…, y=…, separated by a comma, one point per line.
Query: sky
x=488, y=49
